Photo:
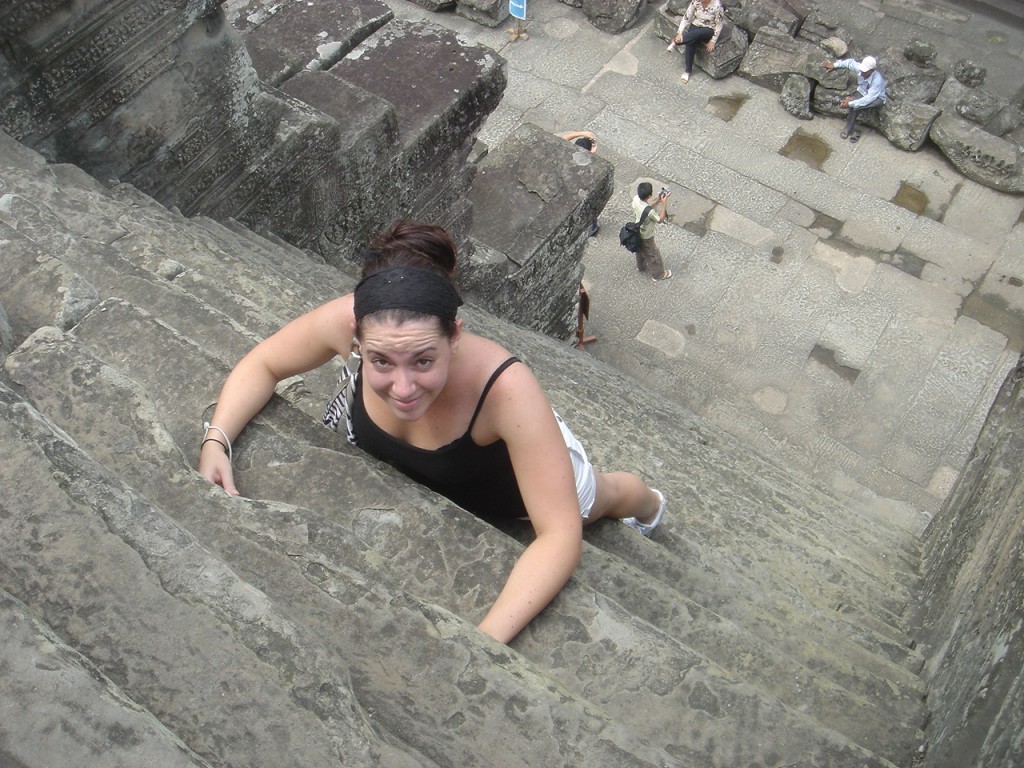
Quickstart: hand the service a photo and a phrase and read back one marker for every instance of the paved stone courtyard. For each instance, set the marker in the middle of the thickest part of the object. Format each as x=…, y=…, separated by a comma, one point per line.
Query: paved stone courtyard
x=850, y=309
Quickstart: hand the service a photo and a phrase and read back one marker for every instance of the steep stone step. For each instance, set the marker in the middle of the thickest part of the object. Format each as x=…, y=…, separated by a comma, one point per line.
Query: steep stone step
x=818, y=579
x=52, y=217
x=77, y=543
x=687, y=686
x=298, y=658
x=52, y=681
x=196, y=267
x=821, y=640
x=38, y=290
x=317, y=403
x=226, y=265
x=110, y=348
x=780, y=606
x=108, y=274
x=229, y=270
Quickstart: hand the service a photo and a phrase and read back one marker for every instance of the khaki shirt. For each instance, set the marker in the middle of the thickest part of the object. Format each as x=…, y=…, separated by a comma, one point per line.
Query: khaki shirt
x=647, y=229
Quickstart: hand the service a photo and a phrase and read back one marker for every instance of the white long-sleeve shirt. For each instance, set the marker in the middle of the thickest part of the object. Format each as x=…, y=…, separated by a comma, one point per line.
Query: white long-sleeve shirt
x=871, y=87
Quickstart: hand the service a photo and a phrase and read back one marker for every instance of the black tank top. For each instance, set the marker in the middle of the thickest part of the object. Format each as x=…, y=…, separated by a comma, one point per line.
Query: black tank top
x=479, y=478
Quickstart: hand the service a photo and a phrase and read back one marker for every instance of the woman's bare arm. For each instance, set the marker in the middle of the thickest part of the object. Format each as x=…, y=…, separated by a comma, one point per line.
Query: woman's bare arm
x=303, y=344
x=521, y=415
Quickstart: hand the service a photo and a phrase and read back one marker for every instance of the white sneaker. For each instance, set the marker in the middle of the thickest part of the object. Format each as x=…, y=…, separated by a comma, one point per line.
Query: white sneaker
x=685, y=77
x=671, y=46
x=645, y=529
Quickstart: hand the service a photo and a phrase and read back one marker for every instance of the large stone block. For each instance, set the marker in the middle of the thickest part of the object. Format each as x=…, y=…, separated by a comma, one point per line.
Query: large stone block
x=612, y=16
x=490, y=13
x=305, y=35
x=908, y=81
x=438, y=113
x=979, y=155
x=907, y=124
x=455, y=87
x=777, y=15
x=984, y=108
x=534, y=199
x=773, y=56
x=796, y=97
x=348, y=188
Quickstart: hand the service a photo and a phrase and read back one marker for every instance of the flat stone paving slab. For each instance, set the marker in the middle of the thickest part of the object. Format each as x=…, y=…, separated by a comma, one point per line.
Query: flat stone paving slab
x=845, y=307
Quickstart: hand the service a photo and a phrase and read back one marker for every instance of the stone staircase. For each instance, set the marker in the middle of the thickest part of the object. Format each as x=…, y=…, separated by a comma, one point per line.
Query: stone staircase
x=327, y=618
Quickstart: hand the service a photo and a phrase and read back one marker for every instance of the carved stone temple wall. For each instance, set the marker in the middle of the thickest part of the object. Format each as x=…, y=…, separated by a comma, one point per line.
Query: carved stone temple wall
x=320, y=123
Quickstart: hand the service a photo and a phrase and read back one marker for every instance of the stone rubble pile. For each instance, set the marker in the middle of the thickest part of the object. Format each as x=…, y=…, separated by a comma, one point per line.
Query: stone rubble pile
x=781, y=46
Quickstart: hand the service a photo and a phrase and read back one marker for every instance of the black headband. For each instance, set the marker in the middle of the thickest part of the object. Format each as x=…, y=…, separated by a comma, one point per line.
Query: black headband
x=416, y=290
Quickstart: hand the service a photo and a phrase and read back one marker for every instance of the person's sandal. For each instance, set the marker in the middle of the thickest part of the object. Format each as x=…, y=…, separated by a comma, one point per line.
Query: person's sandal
x=685, y=77
x=645, y=529
x=844, y=135
x=855, y=138
x=666, y=276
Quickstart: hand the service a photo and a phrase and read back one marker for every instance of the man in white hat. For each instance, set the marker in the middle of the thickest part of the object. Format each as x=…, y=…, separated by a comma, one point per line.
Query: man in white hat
x=870, y=90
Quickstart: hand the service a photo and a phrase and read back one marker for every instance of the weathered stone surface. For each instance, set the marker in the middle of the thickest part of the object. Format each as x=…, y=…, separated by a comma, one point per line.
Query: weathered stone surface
x=979, y=155
x=994, y=114
x=48, y=293
x=534, y=199
x=970, y=74
x=970, y=612
x=905, y=124
x=920, y=52
x=906, y=81
x=438, y=114
x=7, y=342
x=835, y=47
x=819, y=26
x=795, y=97
x=490, y=13
x=774, y=56
x=302, y=35
x=777, y=15
x=347, y=182
x=728, y=54
x=612, y=16
x=51, y=682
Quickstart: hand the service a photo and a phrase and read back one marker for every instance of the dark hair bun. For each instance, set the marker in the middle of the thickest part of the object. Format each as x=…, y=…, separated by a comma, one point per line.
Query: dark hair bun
x=411, y=244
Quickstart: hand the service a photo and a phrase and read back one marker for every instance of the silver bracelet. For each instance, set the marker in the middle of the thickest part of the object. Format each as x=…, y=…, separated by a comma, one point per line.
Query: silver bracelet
x=207, y=426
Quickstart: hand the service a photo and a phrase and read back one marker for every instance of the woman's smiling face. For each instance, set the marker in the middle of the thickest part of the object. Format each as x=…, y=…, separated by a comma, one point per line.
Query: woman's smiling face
x=406, y=364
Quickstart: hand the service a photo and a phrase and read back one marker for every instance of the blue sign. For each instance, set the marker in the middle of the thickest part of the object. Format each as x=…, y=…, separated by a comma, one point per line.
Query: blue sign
x=517, y=8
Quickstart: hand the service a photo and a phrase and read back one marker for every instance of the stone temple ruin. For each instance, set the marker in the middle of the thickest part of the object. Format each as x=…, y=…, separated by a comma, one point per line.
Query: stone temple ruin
x=252, y=114
x=781, y=45
x=178, y=179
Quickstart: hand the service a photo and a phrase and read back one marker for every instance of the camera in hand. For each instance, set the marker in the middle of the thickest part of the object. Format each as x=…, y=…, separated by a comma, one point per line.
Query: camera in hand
x=663, y=193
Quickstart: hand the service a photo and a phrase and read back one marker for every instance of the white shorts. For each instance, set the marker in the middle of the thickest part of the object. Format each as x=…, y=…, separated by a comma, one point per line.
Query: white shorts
x=586, y=483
